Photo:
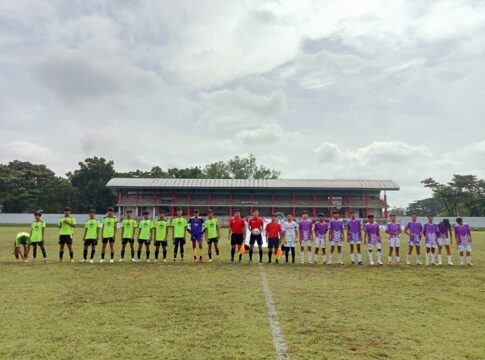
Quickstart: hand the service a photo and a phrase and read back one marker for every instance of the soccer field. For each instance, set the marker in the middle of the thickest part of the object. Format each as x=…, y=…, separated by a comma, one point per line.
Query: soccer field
x=219, y=311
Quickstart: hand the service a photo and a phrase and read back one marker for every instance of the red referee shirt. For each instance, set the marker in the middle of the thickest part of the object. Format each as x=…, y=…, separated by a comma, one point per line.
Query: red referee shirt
x=273, y=230
x=237, y=225
x=256, y=223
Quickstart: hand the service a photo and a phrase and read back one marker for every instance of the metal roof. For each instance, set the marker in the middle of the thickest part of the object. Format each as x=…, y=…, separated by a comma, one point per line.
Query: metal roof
x=146, y=183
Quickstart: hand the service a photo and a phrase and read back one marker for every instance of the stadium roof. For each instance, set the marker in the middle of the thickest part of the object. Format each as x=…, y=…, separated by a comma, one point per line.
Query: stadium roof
x=321, y=184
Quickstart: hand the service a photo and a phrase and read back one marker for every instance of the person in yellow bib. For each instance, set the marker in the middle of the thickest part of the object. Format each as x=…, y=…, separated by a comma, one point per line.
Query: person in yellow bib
x=179, y=225
x=211, y=231
x=145, y=234
x=66, y=230
x=161, y=230
x=37, y=236
x=109, y=234
x=128, y=226
x=91, y=236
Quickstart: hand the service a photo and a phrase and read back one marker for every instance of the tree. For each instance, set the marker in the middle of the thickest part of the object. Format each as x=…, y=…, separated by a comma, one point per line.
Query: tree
x=247, y=168
x=424, y=207
x=89, y=183
x=26, y=187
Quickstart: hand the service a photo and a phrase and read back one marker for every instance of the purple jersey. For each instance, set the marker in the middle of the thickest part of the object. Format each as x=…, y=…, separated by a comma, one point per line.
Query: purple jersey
x=443, y=230
x=373, y=232
x=354, y=228
x=430, y=232
x=305, y=229
x=196, y=226
x=415, y=229
x=462, y=234
x=336, y=230
x=392, y=229
x=321, y=229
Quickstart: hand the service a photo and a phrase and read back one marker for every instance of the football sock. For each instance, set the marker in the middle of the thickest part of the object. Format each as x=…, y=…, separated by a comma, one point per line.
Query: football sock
x=331, y=257
x=250, y=254
x=102, y=255
x=398, y=258
x=352, y=257
x=71, y=255
x=379, y=256
x=35, y=251
x=138, y=253
x=427, y=258
x=17, y=256
x=287, y=252
x=316, y=258
x=370, y=256
x=61, y=254
x=440, y=258
x=85, y=254
x=182, y=251
x=462, y=259
x=122, y=254
x=359, y=257
x=449, y=259
x=217, y=251
x=468, y=259
x=148, y=254
x=269, y=255
x=44, y=253
x=112, y=255
x=293, y=254
x=302, y=254
x=209, y=253
x=309, y=256
x=324, y=258
x=389, y=258
x=194, y=251
x=175, y=250
x=240, y=257
x=233, y=252
x=432, y=258
x=157, y=251
x=260, y=255
x=132, y=254
x=164, y=251
x=92, y=253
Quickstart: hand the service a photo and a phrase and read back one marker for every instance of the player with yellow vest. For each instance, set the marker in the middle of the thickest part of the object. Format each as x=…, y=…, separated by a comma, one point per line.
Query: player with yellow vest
x=37, y=236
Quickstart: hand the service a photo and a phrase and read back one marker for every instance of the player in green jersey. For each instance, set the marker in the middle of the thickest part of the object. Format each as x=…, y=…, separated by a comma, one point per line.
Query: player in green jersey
x=91, y=236
x=179, y=226
x=66, y=230
x=21, y=241
x=128, y=227
x=161, y=232
x=109, y=234
x=211, y=232
x=37, y=236
x=145, y=234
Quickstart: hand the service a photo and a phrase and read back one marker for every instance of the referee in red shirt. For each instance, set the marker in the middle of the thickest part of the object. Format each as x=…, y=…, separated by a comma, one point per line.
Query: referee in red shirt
x=256, y=223
x=237, y=230
x=273, y=235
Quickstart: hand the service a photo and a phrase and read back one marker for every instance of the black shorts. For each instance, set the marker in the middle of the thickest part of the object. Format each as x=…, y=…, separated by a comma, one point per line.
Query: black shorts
x=141, y=241
x=127, y=240
x=273, y=243
x=256, y=238
x=35, y=243
x=89, y=242
x=178, y=241
x=213, y=240
x=160, y=242
x=110, y=240
x=236, y=239
x=65, y=239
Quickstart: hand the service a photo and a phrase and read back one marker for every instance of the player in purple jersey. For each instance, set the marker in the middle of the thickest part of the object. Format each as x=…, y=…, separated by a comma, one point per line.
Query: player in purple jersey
x=336, y=236
x=305, y=229
x=372, y=236
x=196, y=230
x=321, y=228
x=393, y=230
x=430, y=232
x=354, y=236
x=414, y=230
x=463, y=238
x=445, y=237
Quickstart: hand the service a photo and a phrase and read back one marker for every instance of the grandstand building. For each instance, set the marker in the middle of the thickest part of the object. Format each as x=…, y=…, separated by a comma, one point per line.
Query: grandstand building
x=268, y=196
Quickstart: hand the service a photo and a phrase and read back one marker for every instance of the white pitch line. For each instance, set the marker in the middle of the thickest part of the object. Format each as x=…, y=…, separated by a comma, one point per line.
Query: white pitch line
x=278, y=340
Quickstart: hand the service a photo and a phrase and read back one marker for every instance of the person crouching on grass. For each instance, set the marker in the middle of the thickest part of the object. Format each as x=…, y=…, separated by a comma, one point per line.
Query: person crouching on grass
x=393, y=230
x=37, y=236
x=445, y=238
x=372, y=236
x=430, y=231
x=354, y=237
x=336, y=237
x=196, y=229
x=109, y=234
x=21, y=241
x=66, y=230
x=321, y=229
x=414, y=230
x=91, y=236
x=463, y=238
x=145, y=233
x=273, y=235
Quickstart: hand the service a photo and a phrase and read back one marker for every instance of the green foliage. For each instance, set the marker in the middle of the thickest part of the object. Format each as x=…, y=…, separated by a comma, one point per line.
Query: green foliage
x=424, y=207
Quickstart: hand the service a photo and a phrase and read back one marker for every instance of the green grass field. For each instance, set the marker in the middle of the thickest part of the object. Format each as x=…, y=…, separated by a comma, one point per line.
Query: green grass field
x=218, y=310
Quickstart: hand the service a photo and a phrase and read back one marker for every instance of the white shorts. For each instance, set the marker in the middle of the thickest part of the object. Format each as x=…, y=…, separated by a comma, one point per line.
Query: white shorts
x=305, y=243
x=378, y=246
x=394, y=242
x=443, y=241
x=290, y=243
x=465, y=248
x=336, y=243
x=355, y=241
x=433, y=245
x=320, y=242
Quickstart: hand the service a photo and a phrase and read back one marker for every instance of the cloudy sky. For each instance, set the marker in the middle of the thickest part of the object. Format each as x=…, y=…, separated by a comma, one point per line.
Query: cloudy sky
x=318, y=89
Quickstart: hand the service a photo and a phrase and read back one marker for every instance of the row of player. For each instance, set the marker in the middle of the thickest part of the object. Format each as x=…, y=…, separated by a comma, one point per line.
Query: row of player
x=282, y=235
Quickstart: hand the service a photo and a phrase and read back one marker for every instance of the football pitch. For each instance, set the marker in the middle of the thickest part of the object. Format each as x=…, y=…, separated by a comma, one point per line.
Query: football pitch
x=223, y=311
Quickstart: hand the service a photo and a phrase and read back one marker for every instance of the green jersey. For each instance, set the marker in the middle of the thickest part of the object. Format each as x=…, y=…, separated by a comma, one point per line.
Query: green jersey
x=211, y=226
x=64, y=228
x=179, y=225
x=92, y=226
x=21, y=239
x=109, y=226
x=37, y=227
x=146, y=227
x=128, y=227
x=161, y=230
